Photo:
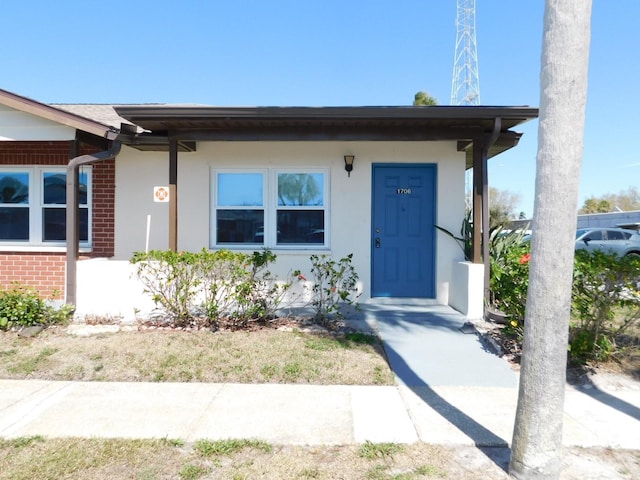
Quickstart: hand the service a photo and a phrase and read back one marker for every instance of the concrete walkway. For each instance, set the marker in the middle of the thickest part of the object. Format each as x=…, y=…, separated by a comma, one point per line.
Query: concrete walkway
x=425, y=345
x=458, y=393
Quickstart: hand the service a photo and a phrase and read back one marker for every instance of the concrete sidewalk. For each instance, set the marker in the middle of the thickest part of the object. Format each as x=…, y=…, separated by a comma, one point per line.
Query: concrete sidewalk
x=450, y=389
x=302, y=414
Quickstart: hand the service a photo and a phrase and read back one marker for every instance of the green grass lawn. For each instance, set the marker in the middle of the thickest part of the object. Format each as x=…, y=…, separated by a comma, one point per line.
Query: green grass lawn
x=261, y=356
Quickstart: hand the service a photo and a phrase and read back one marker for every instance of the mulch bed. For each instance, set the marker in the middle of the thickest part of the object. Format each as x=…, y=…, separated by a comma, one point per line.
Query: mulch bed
x=510, y=348
x=287, y=323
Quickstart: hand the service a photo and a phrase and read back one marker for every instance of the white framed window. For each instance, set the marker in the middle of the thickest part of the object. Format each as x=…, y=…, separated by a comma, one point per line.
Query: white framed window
x=33, y=205
x=239, y=201
x=301, y=208
x=273, y=208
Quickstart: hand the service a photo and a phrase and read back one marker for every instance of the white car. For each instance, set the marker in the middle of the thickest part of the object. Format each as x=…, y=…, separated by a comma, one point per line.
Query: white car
x=620, y=241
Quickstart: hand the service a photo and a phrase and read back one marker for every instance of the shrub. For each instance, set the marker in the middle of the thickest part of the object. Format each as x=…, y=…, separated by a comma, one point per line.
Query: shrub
x=239, y=287
x=334, y=286
x=169, y=278
x=465, y=240
x=605, y=296
x=21, y=306
x=234, y=288
x=605, y=303
x=206, y=287
x=509, y=274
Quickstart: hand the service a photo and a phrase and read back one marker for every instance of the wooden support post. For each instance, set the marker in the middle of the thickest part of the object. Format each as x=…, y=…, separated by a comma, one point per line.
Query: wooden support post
x=481, y=210
x=477, y=201
x=173, y=195
x=485, y=222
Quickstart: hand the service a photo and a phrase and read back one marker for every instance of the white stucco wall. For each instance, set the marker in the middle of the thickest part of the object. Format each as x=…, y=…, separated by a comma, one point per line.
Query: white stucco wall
x=350, y=197
x=21, y=126
x=467, y=293
x=110, y=289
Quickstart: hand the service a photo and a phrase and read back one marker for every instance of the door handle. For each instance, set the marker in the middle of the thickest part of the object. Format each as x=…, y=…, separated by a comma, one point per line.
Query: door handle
x=377, y=242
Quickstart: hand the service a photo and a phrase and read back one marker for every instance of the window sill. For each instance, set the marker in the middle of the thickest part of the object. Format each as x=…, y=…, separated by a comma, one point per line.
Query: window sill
x=279, y=248
x=40, y=249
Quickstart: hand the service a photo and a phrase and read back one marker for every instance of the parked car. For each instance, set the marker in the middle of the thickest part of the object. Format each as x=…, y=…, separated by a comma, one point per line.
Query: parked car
x=620, y=241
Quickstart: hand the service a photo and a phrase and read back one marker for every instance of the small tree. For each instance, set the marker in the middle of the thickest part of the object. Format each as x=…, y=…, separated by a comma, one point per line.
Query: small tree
x=594, y=205
x=502, y=206
x=424, y=99
x=626, y=200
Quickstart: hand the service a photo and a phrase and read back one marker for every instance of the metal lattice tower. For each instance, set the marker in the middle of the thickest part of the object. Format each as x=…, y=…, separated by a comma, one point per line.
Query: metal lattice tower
x=465, y=87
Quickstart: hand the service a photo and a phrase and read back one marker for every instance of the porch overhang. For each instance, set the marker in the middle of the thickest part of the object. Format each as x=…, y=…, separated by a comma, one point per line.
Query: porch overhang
x=411, y=123
x=481, y=132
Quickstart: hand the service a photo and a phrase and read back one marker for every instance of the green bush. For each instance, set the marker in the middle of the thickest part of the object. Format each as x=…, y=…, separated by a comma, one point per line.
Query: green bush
x=169, y=278
x=238, y=286
x=605, y=296
x=206, y=288
x=509, y=275
x=605, y=303
x=465, y=240
x=334, y=286
x=22, y=306
x=233, y=288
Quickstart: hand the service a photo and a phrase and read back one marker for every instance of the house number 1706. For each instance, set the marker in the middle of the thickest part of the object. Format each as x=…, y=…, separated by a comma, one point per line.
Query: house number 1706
x=403, y=191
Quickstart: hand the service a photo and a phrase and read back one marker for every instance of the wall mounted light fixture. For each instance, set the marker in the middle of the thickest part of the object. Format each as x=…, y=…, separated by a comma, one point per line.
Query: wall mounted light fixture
x=348, y=163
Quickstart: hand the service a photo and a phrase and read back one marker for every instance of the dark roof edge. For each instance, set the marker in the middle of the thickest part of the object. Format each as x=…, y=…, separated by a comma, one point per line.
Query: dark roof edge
x=57, y=115
x=134, y=113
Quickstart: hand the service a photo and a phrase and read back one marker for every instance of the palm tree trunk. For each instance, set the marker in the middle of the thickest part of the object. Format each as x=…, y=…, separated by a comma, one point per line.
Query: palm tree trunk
x=537, y=438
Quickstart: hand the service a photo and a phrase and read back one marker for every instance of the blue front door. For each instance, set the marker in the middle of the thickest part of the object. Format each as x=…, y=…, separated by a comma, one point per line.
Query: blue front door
x=403, y=236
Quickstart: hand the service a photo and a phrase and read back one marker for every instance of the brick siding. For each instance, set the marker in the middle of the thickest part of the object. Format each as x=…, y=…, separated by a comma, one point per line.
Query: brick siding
x=46, y=271
x=103, y=201
x=42, y=271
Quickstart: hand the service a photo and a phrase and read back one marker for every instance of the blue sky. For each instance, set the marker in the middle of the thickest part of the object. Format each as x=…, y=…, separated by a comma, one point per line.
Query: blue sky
x=321, y=53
